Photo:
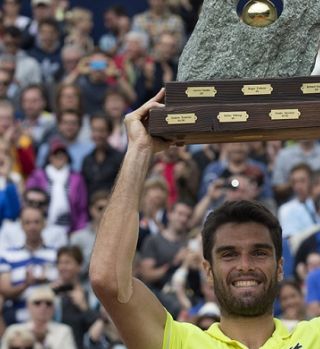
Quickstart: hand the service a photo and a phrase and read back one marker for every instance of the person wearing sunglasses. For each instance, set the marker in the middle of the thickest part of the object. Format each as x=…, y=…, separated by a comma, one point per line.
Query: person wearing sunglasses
x=46, y=332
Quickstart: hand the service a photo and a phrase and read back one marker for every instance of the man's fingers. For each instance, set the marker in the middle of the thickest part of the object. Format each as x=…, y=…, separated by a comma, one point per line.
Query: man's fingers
x=143, y=111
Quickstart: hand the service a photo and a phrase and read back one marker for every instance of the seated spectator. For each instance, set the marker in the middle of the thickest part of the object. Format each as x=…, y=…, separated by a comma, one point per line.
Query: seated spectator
x=188, y=10
x=103, y=334
x=8, y=64
x=47, y=50
x=299, y=214
x=153, y=212
x=12, y=234
x=20, y=143
x=313, y=293
x=69, y=97
x=69, y=124
x=115, y=106
x=136, y=65
x=236, y=161
x=47, y=333
x=37, y=122
x=101, y=166
x=11, y=14
x=117, y=24
x=25, y=268
x=79, y=26
x=27, y=69
x=303, y=152
x=70, y=58
x=66, y=189
x=73, y=305
x=18, y=338
x=94, y=75
x=207, y=315
x=158, y=19
x=293, y=307
x=9, y=193
x=163, y=253
x=85, y=238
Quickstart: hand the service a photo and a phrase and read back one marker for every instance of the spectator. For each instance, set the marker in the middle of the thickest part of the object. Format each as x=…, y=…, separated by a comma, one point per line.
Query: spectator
x=8, y=64
x=85, y=238
x=24, y=269
x=5, y=81
x=73, y=306
x=66, y=189
x=47, y=333
x=117, y=24
x=299, y=214
x=293, y=307
x=27, y=69
x=237, y=162
x=115, y=106
x=207, y=315
x=68, y=130
x=20, y=143
x=37, y=122
x=47, y=50
x=303, y=152
x=166, y=66
x=69, y=97
x=9, y=194
x=158, y=19
x=80, y=24
x=163, y=253
x=11, y=14
x=101, y=166
x=18, y=338
x=2, y=323
x=41, y=9
x=153, y=213
x=70, y=57
x=313, y=293
x=136, y=65
x=12, y=234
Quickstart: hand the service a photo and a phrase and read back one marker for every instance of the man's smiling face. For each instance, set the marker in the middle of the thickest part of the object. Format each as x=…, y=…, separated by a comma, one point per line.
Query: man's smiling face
x=244, y=271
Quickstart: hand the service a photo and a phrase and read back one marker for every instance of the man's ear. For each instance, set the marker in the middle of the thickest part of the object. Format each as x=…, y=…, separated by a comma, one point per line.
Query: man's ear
x=280, y=270
x=208, y=270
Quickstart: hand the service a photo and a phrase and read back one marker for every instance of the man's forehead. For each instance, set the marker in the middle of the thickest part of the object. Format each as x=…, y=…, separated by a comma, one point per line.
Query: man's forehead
x=242, y=234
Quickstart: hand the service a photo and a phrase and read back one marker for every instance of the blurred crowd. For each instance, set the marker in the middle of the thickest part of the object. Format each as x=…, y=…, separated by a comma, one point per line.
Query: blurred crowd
x=63, y=98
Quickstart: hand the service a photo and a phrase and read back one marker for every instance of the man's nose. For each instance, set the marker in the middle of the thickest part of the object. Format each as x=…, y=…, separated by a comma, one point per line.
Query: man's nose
x=245, y=263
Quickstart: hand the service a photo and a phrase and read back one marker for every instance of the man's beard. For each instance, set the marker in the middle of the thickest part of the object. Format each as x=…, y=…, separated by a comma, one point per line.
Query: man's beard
x=247, y=305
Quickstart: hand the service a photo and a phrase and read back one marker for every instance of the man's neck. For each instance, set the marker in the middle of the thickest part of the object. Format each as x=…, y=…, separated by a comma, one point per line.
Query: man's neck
x=33, y=245
x=172, y=235
x=253, y=332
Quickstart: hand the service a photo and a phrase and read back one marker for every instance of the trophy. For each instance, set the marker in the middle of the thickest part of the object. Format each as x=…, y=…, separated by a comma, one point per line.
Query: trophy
x=245, y=75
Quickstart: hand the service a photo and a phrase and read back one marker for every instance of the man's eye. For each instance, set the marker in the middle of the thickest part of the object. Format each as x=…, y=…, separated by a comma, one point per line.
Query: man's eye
x=229, y=254
x=259, y=253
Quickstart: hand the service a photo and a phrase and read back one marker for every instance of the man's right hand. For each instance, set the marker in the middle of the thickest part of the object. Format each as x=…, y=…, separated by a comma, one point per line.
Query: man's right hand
x=137, y=133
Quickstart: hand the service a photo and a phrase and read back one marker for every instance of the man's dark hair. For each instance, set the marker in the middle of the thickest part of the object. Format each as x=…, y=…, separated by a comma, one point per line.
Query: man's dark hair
x=302, y=166
x=242, y=211
x=12, y=31
x=64, y=112
x=119, y=10
x=50, y=22
x=100, y=115
x=71, y=251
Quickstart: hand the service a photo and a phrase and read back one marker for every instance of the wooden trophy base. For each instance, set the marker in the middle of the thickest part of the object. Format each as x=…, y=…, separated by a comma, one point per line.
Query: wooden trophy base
x=239, y=110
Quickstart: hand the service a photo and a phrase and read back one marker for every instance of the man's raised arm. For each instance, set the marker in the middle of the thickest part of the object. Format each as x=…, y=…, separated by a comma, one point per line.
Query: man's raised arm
x=138, y=315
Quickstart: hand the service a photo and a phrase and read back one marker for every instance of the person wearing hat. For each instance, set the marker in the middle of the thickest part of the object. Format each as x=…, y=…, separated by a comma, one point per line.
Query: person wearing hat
x=47, y=333
x=66, y=189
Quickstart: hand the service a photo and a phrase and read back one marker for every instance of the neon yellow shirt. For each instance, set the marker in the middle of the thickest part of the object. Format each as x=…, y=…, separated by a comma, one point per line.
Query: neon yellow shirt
x=180, y=335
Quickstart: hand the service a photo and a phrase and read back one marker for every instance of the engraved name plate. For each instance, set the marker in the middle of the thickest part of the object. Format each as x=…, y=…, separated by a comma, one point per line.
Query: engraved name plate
x=176, y=119
x=284, y=114
x=310, y=88
x=257, y=90
x=233, y=116
x=205, y=91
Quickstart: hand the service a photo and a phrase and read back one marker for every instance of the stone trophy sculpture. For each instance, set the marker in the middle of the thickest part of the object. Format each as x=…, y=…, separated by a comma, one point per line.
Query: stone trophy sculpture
x=244, y=75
